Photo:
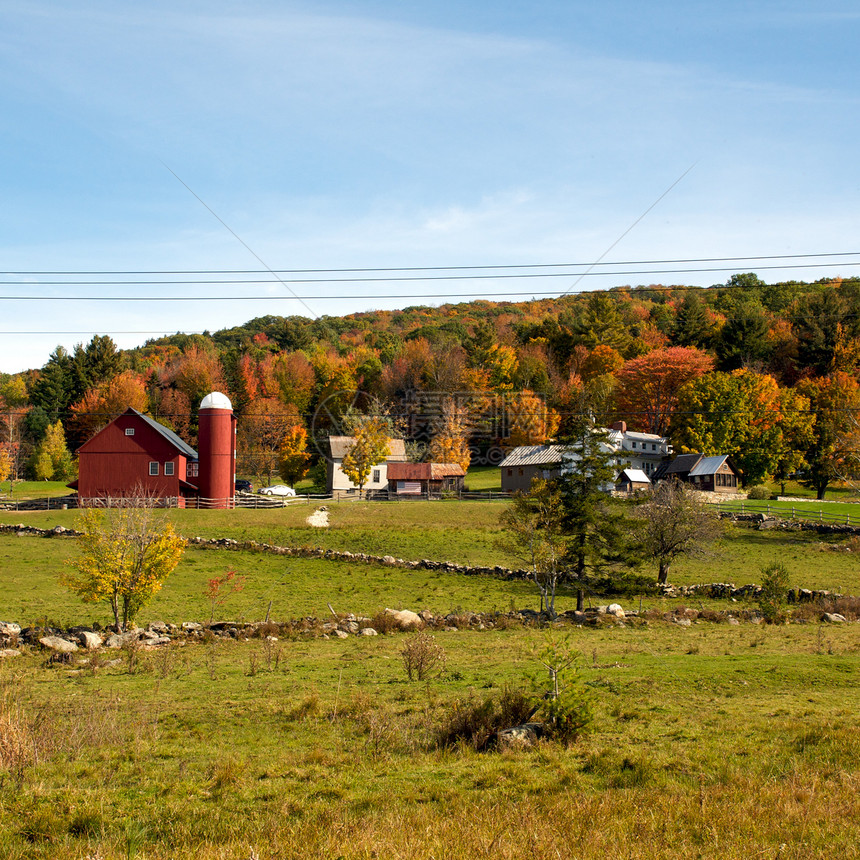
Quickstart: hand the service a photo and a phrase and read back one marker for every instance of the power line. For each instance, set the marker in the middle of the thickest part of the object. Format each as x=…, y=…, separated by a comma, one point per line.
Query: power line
x=411, y=278
x=431, y=268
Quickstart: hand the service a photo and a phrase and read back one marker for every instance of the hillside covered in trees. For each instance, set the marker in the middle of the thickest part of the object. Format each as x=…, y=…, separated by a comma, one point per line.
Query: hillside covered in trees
x=765, y=372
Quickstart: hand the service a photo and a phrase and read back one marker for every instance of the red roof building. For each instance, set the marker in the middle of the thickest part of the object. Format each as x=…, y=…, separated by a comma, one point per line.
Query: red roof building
x=421, y=479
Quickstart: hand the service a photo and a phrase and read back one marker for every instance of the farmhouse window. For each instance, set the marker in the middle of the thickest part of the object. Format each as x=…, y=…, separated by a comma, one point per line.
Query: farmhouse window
x=519, y=471
x=168, y=468
x=129, y=431
x=634, y=444
x=376, y=476
x=153, y=467
x=510, y=472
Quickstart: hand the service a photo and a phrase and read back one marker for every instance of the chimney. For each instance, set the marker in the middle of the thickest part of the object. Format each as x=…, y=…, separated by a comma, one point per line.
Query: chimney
x=620, y=426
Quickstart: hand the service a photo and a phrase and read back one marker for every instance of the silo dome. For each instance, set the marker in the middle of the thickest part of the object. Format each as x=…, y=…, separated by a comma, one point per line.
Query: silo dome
x=216, y=400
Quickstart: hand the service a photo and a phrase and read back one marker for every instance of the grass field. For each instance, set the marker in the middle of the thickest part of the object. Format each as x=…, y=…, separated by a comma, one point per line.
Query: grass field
x=712, y=741
x=708, y=741
x=456, y=531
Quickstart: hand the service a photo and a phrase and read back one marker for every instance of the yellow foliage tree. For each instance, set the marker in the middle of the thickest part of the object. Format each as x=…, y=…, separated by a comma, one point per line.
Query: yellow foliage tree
x=125, y=554
x=530, y=420
x=371, y=446
x=5, y=465
x=450, y=441
x=294, y=454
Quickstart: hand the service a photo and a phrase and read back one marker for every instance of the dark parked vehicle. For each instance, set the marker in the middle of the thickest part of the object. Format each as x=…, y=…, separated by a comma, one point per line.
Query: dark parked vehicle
x=243, y=486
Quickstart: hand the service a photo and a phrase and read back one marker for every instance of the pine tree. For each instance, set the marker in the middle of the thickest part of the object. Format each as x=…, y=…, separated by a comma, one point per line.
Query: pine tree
x=594, y=524
x=692, y=326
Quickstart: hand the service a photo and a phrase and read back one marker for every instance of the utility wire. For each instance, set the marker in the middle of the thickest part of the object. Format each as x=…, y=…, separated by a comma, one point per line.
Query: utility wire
x=408, y=278
x=239, y=239
x=435, y=268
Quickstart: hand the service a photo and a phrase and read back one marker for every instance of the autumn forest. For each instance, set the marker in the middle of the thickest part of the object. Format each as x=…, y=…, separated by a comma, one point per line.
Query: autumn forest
x=765, y=372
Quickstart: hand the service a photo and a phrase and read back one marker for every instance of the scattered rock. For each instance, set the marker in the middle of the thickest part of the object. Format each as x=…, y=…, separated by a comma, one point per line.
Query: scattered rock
x=368, y=631
x=519, y=736
x=9, y=652
x=341, y=634
x=405, y=619
x=58, y=645
x=683, y=622
x=120, y=640
x=615, y=609
x=191, y=626
x=89, y=640
x=833, y=618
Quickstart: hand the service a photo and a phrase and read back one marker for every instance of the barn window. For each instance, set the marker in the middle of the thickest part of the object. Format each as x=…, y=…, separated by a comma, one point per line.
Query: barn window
x=129, y=431
x=191, y=469
x=153, y=467
x=510, y=472
x=168, y=468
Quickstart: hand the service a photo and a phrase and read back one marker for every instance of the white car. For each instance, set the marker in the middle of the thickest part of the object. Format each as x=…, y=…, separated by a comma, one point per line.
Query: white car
x=277, y=490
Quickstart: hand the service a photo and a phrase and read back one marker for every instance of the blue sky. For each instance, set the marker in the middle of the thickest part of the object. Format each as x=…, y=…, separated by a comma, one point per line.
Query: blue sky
x=388, y=134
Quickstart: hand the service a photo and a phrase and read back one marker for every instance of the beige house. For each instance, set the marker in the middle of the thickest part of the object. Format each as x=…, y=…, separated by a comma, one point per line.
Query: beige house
x=337, y=481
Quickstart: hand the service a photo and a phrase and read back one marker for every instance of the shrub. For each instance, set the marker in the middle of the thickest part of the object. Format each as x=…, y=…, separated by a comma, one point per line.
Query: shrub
x=475, y=722
x=758, y=493
x=774, y=592
x=423, y=657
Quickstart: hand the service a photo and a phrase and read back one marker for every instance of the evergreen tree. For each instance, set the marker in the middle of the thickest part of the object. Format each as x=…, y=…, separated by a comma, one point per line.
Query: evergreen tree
x=593, y=523
x=96, y=363
x=692, y=325
x=744, y=339
x=53, y=390
x=601, y=324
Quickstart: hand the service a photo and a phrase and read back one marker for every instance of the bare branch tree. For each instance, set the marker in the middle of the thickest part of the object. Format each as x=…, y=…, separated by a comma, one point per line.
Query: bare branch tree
x=675, y=522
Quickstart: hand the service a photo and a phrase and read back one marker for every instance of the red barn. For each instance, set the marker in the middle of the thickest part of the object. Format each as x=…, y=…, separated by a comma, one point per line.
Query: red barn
x=135, y=454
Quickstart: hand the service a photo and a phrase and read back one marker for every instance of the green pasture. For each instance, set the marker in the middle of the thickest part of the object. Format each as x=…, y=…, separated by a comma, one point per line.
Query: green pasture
x=461, y=532
x=828, y=512
x=710, y=742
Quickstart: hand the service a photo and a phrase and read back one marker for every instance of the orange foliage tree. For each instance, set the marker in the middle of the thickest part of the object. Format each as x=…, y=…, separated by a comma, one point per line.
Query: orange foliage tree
x=648, y=386
x=99, y=406
x=601, y=360
x=261, y=432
